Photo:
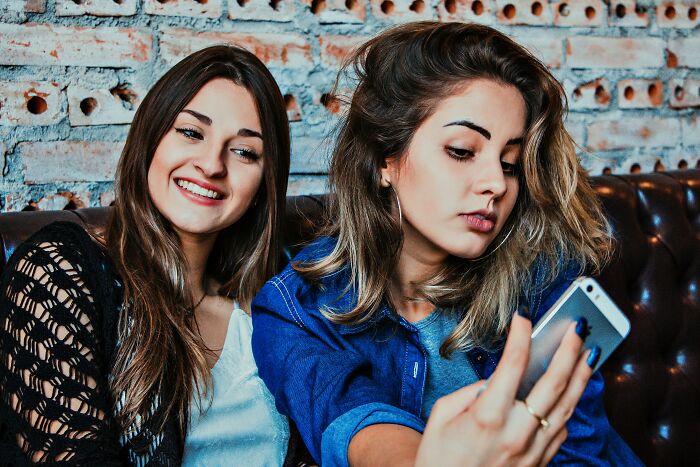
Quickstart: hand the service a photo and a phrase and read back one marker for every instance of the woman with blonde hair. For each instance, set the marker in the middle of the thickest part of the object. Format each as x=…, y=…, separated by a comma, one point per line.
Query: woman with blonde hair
x=135, y=348
x=457, y=199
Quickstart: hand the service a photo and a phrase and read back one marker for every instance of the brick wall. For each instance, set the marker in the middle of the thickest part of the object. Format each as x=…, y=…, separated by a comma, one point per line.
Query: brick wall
x=72, y=73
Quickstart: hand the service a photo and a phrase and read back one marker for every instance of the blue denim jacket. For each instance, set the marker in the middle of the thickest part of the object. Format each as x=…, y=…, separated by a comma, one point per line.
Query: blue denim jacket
x=333, y=380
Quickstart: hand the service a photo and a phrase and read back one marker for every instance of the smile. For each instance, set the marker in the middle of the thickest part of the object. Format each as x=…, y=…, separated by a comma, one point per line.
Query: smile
x=198, y=190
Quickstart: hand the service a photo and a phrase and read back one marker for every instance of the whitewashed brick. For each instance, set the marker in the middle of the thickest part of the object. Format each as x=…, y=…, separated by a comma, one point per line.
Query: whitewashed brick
x=46, y=44
x=678, y=15
x=69, y=161
x=337, y=11
x=591, y=95
x=585, y=13
x=95, y=8
x=275, y=50
x=475, y=11
x=307, y=185
x=691, y=131
x=548, y=50
x=200, y=9
x=633, y=132
x=614, y=52
x=528, y=12
x=684, y=93
x=30, y=103
x=95, y=106
x=640, y=93
x=335, y=49
x=628, y=14
x=310, y=155
x=401, y=11
x=686, y=51
x=262, y=10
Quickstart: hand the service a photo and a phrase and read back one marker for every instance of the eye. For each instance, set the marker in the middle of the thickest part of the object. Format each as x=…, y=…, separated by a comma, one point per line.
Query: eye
x=190, y=133
x=246, y=153
x=510, y=169
x=459, y=154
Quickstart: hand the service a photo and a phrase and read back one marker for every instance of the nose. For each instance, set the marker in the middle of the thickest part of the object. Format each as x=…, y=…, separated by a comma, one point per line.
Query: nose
x=489, y=177
x=210, y=162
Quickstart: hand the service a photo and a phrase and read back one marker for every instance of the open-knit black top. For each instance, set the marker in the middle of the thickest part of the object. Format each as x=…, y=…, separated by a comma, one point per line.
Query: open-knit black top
x=60, y=303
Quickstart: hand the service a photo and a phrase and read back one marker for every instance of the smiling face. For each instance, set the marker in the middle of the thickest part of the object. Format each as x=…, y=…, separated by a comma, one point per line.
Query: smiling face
x=458, y=181
x=208, y=167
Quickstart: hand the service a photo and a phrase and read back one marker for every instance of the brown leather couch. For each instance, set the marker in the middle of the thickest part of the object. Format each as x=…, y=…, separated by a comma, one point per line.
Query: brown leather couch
x=653, y=380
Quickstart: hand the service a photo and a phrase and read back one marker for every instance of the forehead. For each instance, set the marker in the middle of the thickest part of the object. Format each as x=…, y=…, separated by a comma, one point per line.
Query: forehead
x=498, y=107
x=226, y=103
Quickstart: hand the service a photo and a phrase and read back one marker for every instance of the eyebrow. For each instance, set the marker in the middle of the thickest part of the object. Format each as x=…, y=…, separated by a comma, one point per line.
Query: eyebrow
x=483, y=131
x=208, y=121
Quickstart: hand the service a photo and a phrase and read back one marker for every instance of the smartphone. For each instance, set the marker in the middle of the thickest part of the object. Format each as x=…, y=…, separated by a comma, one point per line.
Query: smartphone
x=607, y=328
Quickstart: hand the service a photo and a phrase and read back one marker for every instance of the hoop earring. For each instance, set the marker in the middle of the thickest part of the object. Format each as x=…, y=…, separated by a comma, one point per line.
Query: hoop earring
x=398, y=203
x=499, y=246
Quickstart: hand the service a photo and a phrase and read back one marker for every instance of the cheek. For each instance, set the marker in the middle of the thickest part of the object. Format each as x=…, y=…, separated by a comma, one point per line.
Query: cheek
x=246, y=180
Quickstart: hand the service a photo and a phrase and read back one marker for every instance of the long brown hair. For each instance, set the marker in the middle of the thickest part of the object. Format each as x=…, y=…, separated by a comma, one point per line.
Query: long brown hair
x=401, y=76
x=161, y=352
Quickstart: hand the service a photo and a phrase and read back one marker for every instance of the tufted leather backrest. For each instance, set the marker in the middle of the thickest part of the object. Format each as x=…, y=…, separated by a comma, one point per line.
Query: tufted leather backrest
x=653, y=379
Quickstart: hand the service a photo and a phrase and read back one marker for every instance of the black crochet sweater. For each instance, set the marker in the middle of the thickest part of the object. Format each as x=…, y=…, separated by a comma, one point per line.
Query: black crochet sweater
x=60, y=301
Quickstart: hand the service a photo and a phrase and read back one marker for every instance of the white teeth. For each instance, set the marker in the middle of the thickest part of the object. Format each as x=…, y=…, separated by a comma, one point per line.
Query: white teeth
x=196, y=189
x=480, y=216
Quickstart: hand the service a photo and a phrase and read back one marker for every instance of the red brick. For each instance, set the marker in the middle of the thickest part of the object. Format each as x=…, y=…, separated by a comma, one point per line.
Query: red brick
x=678, y=15
x=614, y=52
x=293, y=109
x=397, y=11
x=691, y=131
x=276, y=50
x=334, y=49
x=579, y=13
x=95, y=8
x=337, y=11
x=529, y=12
x=628, y=14
x=548, y=50
x=476, y=11
x=686, y=51
x=30, y=103
x=262, y=10
x=101, y=106
x=640, y=93
x=591, y=95
x=45, y=44
x=26, y=6
x=203, y=9
x=684, y=93
x=633, y=132
x=69, y=161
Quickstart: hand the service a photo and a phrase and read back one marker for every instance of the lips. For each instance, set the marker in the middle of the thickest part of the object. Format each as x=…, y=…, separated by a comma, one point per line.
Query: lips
x=204, y=190
x=481, y=221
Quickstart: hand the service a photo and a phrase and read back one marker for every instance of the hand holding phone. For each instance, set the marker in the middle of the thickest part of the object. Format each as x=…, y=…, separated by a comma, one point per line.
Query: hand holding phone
x=585, y=298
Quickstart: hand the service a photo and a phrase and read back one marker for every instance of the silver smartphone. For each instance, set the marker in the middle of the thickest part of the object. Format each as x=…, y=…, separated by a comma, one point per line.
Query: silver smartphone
x=607, y=328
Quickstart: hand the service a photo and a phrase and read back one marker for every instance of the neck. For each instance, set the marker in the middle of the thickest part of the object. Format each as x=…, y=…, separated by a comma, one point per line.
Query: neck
x=417, y=262
x=196, y=249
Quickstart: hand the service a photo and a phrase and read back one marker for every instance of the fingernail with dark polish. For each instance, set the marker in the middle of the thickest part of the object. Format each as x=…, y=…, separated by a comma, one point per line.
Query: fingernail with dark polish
x=582, y=328
x=524, y=311
x=593, y=357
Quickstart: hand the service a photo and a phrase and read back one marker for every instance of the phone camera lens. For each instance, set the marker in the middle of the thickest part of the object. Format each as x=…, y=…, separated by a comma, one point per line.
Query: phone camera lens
x=589, y=288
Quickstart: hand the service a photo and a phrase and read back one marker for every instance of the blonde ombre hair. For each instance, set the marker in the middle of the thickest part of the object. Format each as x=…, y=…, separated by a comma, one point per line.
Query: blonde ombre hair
x=402, y=74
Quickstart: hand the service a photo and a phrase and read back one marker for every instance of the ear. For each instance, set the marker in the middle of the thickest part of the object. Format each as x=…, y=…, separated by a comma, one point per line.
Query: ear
x=388, y=171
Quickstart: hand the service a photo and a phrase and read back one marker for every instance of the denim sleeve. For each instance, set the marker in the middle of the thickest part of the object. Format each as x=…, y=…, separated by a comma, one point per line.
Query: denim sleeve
x=336, y=438
x=314, y=375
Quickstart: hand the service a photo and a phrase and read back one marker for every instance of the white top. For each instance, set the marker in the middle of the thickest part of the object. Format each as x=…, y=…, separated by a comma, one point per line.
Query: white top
x=242, y=426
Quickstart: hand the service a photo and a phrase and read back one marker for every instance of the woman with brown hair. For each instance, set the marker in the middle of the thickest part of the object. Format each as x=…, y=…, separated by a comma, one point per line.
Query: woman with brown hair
x=134, y=348
x=458, y=199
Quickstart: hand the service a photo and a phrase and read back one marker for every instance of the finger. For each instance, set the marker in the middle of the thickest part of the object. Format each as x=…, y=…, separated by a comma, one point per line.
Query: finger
x=504, y=382
x=565, y=406
x=448, y=407
x=553, y=447
x=549, y=388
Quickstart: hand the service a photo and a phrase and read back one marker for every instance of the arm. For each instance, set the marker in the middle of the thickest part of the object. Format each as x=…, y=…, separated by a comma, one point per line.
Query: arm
x=327, y=388
x=54, y=396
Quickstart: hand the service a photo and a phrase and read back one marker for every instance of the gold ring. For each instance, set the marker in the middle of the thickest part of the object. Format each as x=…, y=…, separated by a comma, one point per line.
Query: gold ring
x=544, y=423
